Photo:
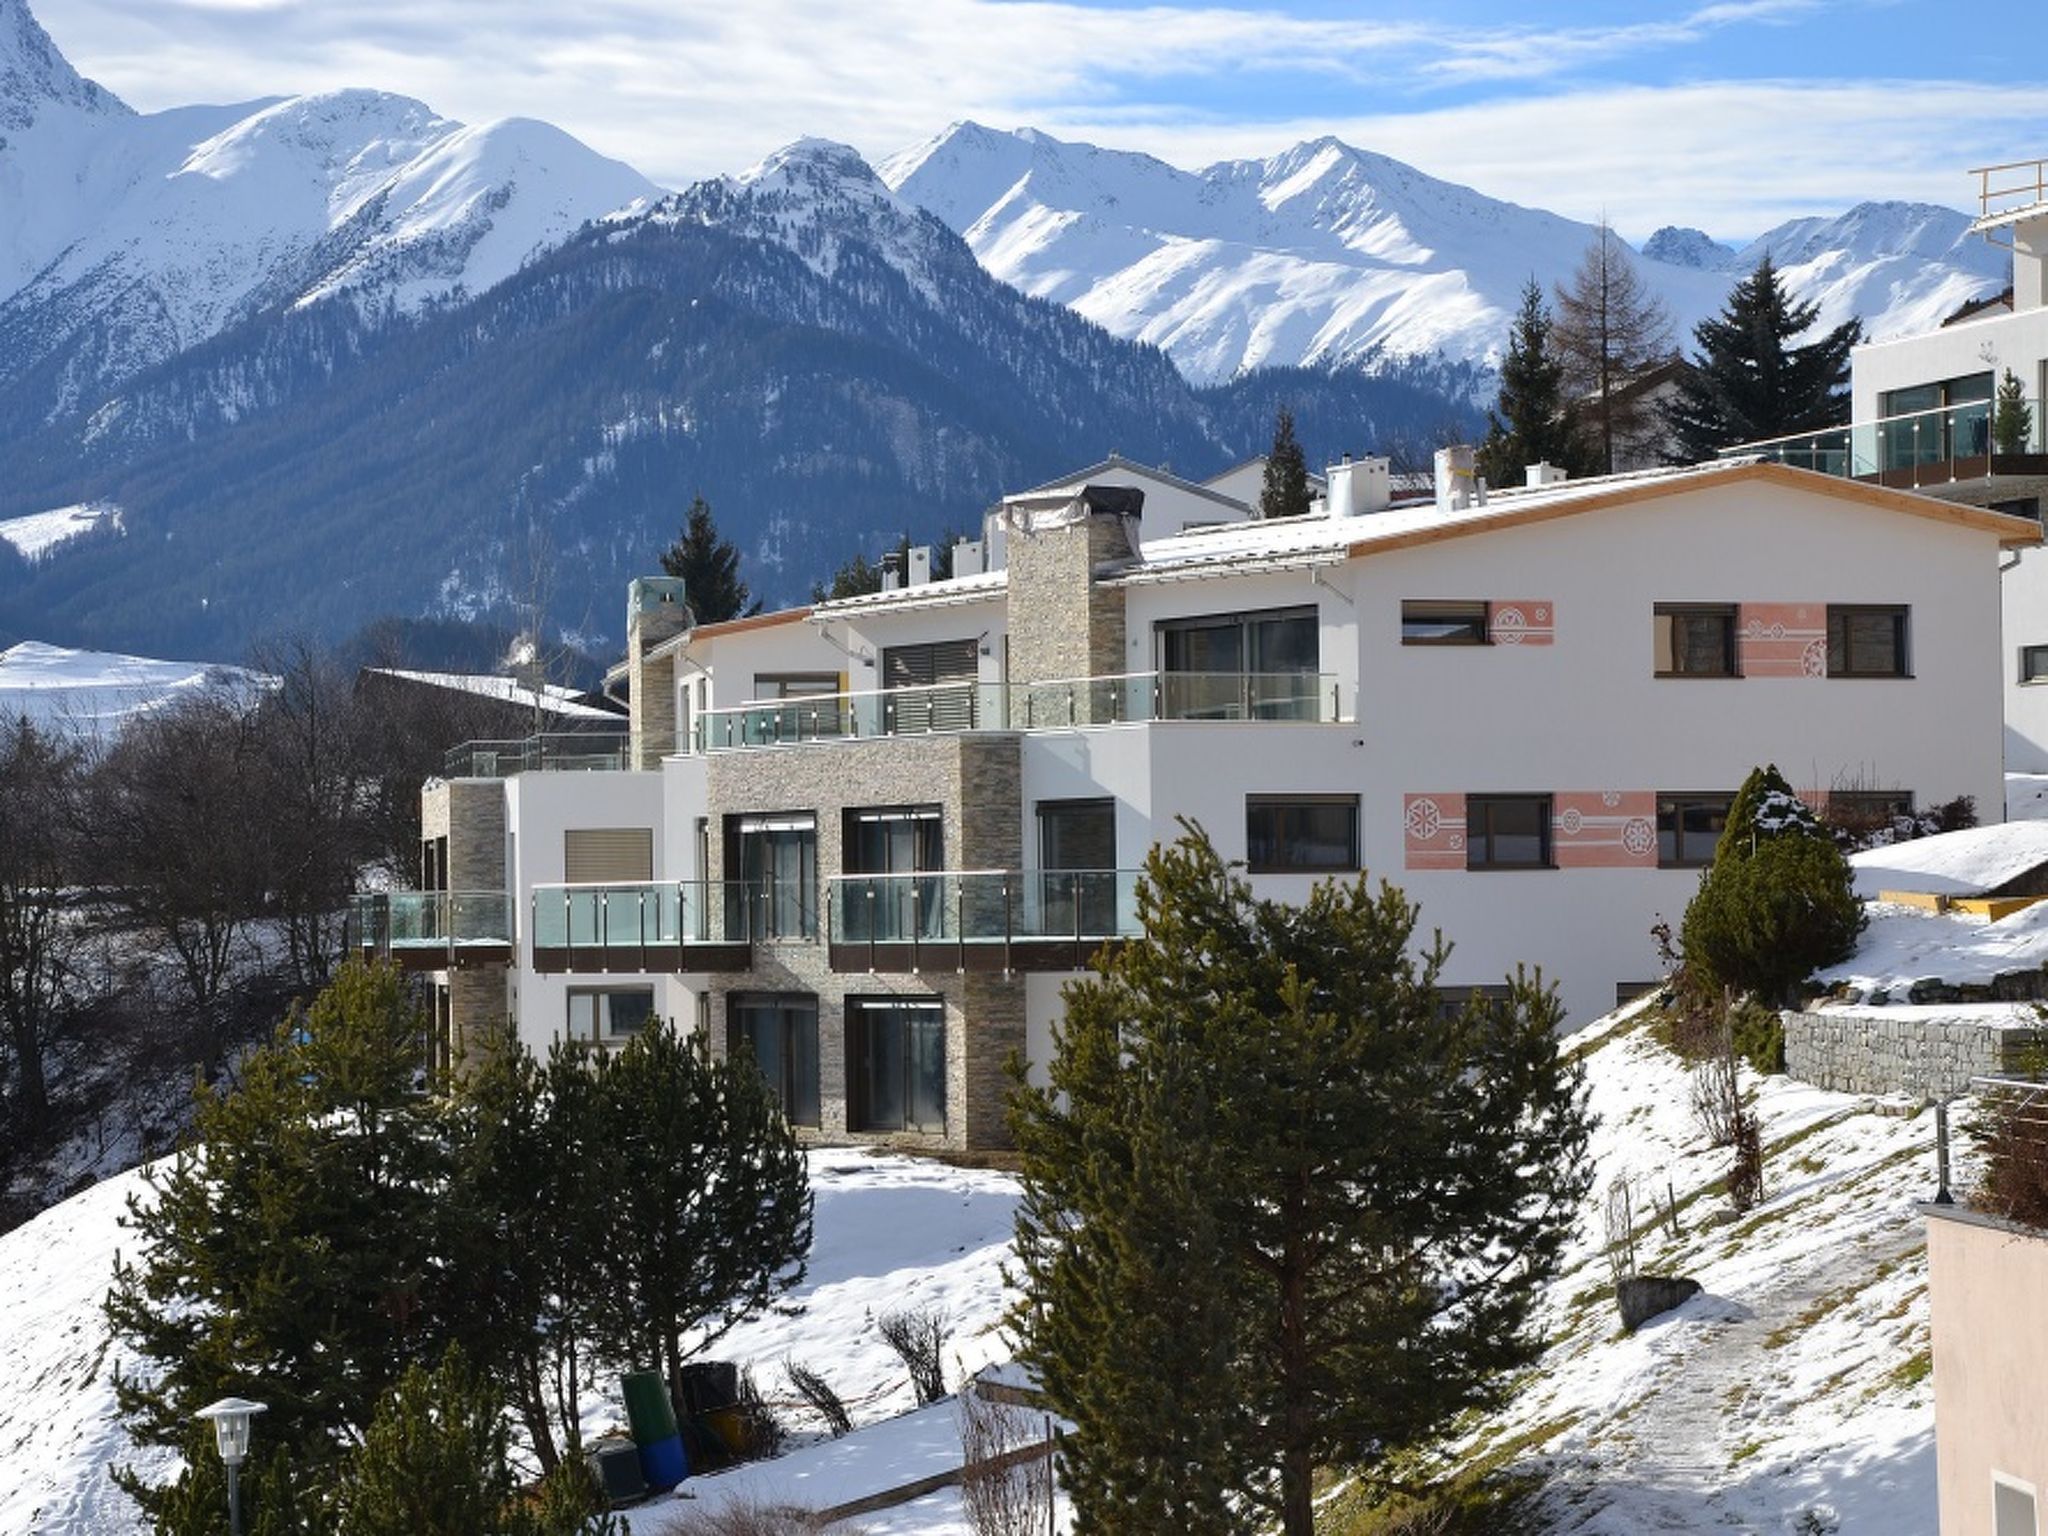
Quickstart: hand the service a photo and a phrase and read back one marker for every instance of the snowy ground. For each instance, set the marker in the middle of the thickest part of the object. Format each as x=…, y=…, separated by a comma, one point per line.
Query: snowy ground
x=91, y=693
x=1964, y=863
x=40, y=532
x=1901, y=945
x=2026, y=796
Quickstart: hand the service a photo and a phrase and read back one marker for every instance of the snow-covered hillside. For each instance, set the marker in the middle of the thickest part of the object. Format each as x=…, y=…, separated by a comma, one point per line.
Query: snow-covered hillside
x=1328, y=254
x=91, y=693
x=131, y=237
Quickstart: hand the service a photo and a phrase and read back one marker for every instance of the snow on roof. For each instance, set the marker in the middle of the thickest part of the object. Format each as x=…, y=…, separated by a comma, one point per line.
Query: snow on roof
x=1965, y=863
x=1074, y=480
x=554, y=698
x=930, y=594
x=1901, y=945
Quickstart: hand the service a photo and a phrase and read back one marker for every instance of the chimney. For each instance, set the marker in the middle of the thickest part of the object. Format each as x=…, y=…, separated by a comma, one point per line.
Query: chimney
x=1544, y=473
x=892, y=570
x=969, y=558
x=655, y=612
x=1359, y=486
x=920, y=572
x=1455, y=482
x=1063, y=622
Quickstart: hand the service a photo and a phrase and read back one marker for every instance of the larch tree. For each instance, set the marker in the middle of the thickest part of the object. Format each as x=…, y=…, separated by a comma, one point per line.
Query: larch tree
x=1285, y=490
x=709, y=567
x=1610, y=331
x=1534, y=420
x=1286, y=1205
x=1750, y=381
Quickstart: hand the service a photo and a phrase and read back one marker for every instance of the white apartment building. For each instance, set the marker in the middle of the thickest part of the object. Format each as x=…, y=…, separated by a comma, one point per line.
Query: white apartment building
x=874, y=838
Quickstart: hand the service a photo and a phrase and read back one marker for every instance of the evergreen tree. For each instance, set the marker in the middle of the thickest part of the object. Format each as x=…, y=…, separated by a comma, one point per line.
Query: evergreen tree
x=1778, y=902
x=1284, y=492
x=705, y=1144
x=2012, y=419
x=1610, y=331
x=856, y=578
x=709, y=567
x=1749, y=382
x=1533, y=422
x=1283, y=1208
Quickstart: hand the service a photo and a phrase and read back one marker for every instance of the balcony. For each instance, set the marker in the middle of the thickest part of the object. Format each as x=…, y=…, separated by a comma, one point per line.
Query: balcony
x=652, y=926
x=433, y=930
x=1067, y=702
x=1915, y=450
x=979, y=920
x=549, y=752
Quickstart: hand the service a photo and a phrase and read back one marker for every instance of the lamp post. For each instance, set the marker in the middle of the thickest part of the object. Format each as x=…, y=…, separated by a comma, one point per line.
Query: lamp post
x=231, y=1416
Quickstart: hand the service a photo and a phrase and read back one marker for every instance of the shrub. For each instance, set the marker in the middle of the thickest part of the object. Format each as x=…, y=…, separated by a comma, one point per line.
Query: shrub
x=1778, y=901
x=2014, y=1139
x=1006, y=1467
x=918, y=1335
x=815, y=1390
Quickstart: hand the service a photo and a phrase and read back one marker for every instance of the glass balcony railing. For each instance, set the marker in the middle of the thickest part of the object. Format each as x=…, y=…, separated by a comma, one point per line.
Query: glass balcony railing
x=983, y=907
x=1950, y=442
x=648, y=914
x=1138, y=696
x=393, y=922
x=550, y=752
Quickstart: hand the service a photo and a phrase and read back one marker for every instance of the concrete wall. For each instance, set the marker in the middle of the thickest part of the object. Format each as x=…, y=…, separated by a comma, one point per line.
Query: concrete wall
x=2024, y=611
x=1925, y=1052
x=1993, y=342
x=1986, y=1279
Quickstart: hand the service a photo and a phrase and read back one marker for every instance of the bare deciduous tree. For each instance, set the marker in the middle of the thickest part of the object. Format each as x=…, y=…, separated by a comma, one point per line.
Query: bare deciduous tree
x=1006, y=1467
x=39, y=935
x=1610, y=330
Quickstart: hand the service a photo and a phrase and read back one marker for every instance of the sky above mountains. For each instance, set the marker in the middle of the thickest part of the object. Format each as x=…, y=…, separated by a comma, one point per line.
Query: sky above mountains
x=1728, y=116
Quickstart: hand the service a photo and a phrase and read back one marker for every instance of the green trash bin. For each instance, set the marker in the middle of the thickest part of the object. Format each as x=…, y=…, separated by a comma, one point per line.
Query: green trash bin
x=649, y=1412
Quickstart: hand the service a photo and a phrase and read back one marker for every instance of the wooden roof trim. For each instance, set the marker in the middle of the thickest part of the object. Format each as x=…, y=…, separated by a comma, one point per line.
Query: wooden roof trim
x=2012, y=531
x=752, y=621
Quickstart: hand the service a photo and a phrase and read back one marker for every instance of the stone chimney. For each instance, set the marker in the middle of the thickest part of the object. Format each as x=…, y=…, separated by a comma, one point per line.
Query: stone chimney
x=1358, y=487
x=655, y=612
x=1063, y=623
x=1456, y=478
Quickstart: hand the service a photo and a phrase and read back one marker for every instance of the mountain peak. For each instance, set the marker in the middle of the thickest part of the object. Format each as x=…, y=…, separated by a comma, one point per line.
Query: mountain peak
x=809, y=159
x=1679, y=246
x=33, y=74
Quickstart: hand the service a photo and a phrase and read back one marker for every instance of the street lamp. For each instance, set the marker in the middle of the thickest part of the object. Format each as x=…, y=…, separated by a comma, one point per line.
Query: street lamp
x=231, y=1416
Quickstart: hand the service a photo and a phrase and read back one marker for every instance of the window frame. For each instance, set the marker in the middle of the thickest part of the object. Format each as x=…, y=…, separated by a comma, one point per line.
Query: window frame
x=1679, y=799
x=1731, y=616
x=2029, y=677
x=1546, y=805
x=859, y=1013
x=786, y=1006
x=1281, y=801
x=602, y=1032
x=1902, y=637
x=737, y=887
x=1419, y=610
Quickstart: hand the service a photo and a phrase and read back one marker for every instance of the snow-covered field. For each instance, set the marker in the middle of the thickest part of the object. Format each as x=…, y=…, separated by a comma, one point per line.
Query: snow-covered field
x=1796, y=1382
x=38, y=533
x=91, y=693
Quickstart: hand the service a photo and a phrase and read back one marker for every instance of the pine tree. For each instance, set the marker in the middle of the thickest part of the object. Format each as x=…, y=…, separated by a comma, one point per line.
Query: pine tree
x=709, y=567
x=1284, y=492
x=2012, y=419
x=1749, y=382
x=1533, y=422
x=1283, y=1209
x=1778, y=902
x=1610, y=331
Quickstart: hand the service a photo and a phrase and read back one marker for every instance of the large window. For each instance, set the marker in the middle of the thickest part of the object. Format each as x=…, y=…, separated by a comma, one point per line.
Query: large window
x=940, y=679
x=1240, y=666
x=1689, y=827
x=1294, y=834
x=1866, y=641
x=1443, y=623
x=1507, y=831
x=771, y=871
x=597, y=1016
x=1951, y=419
x=822, y=716
x=1695, y=639
x=1076, y=854
x=894, y=841
x=781, y=1029
x=895, y=1064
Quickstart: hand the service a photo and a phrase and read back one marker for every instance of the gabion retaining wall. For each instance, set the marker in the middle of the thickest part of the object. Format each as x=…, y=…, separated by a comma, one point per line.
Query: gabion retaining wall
x=1869, y=1051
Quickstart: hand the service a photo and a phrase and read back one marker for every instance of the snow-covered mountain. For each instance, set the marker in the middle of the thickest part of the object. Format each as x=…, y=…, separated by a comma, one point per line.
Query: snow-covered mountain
x=1330, y=254
x=131, y=237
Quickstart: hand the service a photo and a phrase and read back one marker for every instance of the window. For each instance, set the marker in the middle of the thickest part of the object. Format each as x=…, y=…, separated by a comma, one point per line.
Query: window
x=781, y=1029
x=2034, y=663
x=941, y=678
x=2012, y=1507
x=1688, y=827
x=1452, y=1000
x=1286, y=834
x=1240, y=666
x=1866, y=641
x=771, y=873
x=607, y=855
x=800, y=722
x=896, y=1064
x=1443, y=623
x=1949, y=419
x=601, y=1016
x=1695, y=640
x=895, y=842
x=1507, y=831
x=1076, y=858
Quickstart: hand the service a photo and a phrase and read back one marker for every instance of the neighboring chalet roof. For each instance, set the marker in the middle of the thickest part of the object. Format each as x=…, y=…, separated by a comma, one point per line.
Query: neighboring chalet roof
x=1080, y=477
x=553, y=699
x=930, y=594
x=1316, y=482
x=2000, y=303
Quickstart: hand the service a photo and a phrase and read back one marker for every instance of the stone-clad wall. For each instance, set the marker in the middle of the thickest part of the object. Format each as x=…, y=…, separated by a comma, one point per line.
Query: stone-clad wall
x=1062, y=624
x=1870, y=1051
x=470, y=813
x=976, y=781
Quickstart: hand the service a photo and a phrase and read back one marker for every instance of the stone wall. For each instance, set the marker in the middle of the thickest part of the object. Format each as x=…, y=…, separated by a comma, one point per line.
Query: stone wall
x=470, y=813
x=1926, y=1056
x=1062, y=623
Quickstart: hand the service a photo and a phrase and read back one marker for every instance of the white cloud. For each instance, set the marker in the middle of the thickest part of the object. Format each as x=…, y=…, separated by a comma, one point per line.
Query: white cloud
x=687, y=88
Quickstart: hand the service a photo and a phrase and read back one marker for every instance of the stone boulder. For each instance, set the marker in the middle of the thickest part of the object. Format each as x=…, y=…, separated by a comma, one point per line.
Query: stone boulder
x=1643, y=1297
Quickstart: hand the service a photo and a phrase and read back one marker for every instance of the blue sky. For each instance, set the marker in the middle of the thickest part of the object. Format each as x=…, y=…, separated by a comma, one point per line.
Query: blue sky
x=1730, y=115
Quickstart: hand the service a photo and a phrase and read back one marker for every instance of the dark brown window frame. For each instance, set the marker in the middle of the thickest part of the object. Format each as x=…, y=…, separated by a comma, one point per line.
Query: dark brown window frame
x=1681, y=798
x=1547, y=850
x=1447, y=610
x=1729, y=613
x=1282, y=799
x=2028, y=674
x=1902, y=644
x=855, y=1014
x=783, y=1003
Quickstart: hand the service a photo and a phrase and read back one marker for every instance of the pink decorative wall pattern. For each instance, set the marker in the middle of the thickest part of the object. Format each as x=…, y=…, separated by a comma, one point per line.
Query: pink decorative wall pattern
x=1604, y=829
x=1434, y=831
x=1782, y=639
x=1530, y=621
